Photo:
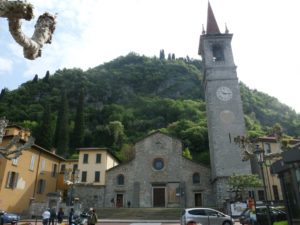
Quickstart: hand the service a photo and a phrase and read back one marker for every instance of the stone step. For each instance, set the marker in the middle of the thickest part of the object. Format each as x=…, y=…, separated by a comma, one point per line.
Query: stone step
x=139, y=213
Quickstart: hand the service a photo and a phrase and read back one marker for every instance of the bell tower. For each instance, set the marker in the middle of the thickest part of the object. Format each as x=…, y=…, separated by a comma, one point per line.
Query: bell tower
x=224, y=111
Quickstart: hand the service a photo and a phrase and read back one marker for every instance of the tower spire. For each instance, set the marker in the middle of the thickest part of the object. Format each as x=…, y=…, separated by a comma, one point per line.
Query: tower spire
x=211, y=26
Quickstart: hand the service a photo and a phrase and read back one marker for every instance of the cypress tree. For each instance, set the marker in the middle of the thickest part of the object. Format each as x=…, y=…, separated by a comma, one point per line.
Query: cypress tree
x=78, y=134
x=35, y=79
x=46, y=131
x=162, y=55
x=47, y=76
x=62, y=130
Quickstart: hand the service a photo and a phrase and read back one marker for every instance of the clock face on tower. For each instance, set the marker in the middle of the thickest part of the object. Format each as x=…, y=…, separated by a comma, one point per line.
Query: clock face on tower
x=224, y=93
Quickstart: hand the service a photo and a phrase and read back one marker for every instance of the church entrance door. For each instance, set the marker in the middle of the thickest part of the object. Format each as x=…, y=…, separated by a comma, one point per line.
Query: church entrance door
x=119, y=203
x=159, y=199
x=198, y=199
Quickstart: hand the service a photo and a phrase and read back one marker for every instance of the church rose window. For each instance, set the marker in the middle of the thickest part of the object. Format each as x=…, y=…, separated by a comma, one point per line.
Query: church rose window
x=158, y=164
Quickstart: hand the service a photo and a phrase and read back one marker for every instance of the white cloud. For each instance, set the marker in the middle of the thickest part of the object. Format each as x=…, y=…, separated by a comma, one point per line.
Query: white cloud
x=5, y=66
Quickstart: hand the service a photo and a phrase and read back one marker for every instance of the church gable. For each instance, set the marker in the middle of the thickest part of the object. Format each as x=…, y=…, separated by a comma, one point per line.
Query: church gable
x=158, y=143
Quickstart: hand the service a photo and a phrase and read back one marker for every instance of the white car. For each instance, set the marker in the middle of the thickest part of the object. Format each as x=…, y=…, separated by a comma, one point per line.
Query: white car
x=204, y=216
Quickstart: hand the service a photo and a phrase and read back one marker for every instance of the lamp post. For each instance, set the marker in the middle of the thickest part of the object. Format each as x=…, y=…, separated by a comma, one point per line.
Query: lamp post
x=260, y=153
x=71, y=178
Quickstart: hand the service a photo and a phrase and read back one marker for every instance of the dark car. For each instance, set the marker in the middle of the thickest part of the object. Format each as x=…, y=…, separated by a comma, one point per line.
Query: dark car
x=261, y=215
x=6, y=217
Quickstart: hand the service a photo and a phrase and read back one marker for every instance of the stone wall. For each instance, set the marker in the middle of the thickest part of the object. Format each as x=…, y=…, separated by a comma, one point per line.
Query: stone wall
x=141, y=177
x=90, y=196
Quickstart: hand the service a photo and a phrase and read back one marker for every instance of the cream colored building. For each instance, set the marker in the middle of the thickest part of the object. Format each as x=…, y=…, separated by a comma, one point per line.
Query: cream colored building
x=93, y=163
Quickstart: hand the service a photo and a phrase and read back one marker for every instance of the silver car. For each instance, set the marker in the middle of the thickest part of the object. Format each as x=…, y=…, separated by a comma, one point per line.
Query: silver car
x=204, y=216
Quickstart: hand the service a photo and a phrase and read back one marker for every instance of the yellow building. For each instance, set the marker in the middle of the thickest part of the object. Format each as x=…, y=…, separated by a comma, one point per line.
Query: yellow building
x=30, y=177
x=93, y=163
x=272, y=150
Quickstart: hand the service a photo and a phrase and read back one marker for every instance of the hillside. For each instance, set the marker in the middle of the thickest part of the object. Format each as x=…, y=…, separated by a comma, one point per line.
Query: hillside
x=119, y=102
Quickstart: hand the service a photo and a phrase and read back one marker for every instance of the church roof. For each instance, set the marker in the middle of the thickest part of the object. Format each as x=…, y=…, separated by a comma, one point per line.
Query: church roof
x=211, y=26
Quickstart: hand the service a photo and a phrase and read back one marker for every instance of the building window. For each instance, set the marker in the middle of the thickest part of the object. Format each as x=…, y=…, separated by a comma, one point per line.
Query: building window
x=97, y=176
x=54, y=170
x=261, y=195
x=41, y=186
x=158, y=164
x=120, y=179
x=15, y=161
x=98, y=158
x=43, y=163
x=267, y=148
x=12, y=179
x=75, y=168
x=217, y=52
x=31, y=166
x=196, y=178
x=275, y=192
x=83, y=176
x=62, y=168
x=85, y=158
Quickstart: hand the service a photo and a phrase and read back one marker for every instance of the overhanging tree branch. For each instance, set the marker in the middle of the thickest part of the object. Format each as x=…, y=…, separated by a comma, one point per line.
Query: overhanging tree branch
x=14, y=148
x=14, y=11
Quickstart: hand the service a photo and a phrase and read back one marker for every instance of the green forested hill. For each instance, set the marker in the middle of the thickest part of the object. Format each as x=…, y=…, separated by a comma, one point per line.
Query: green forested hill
x=118, y=103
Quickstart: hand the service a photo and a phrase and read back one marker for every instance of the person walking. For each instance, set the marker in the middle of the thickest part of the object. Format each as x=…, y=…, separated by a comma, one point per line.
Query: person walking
x=46, y=217
x=71, y=217
x=93, y=218
x=60, y=216
x=52, y=216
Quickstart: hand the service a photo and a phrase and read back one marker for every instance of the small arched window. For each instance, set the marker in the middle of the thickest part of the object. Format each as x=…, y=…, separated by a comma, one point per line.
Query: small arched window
x=120, y=179
x=196, y=178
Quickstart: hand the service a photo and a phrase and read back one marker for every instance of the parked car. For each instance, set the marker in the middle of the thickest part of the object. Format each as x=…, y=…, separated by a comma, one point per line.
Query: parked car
x=6, y=217
x=204, y=216
x=262, y=216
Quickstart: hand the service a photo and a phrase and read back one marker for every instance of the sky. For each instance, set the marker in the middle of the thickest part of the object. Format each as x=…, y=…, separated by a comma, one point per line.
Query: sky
x=88, y=33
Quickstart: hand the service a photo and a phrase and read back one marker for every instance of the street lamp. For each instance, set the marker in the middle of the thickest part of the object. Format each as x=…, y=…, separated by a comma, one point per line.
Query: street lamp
x=71, y=178
x=260, y=153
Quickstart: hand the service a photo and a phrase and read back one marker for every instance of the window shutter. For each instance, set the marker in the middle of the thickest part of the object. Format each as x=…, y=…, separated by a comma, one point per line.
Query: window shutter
x=43, y=186
x=15, y=182
x=8, y=179
x=31, y=167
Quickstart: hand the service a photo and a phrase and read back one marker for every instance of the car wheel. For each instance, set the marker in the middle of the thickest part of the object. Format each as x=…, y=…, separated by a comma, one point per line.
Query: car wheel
x=227, y=223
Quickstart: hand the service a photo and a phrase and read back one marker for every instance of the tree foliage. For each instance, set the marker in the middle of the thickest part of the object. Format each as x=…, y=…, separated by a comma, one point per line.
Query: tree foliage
x=239, y=183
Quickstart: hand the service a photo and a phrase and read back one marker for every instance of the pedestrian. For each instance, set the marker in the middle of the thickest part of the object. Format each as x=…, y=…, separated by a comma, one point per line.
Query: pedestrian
x=52, y=216
x=112, y=201
x=46, y=217
x=71, y=217
x=60, y=215
x=93, y=218
x=128, y=204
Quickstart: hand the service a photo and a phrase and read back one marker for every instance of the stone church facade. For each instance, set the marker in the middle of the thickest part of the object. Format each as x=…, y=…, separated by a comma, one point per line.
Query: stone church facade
x=158, y=176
